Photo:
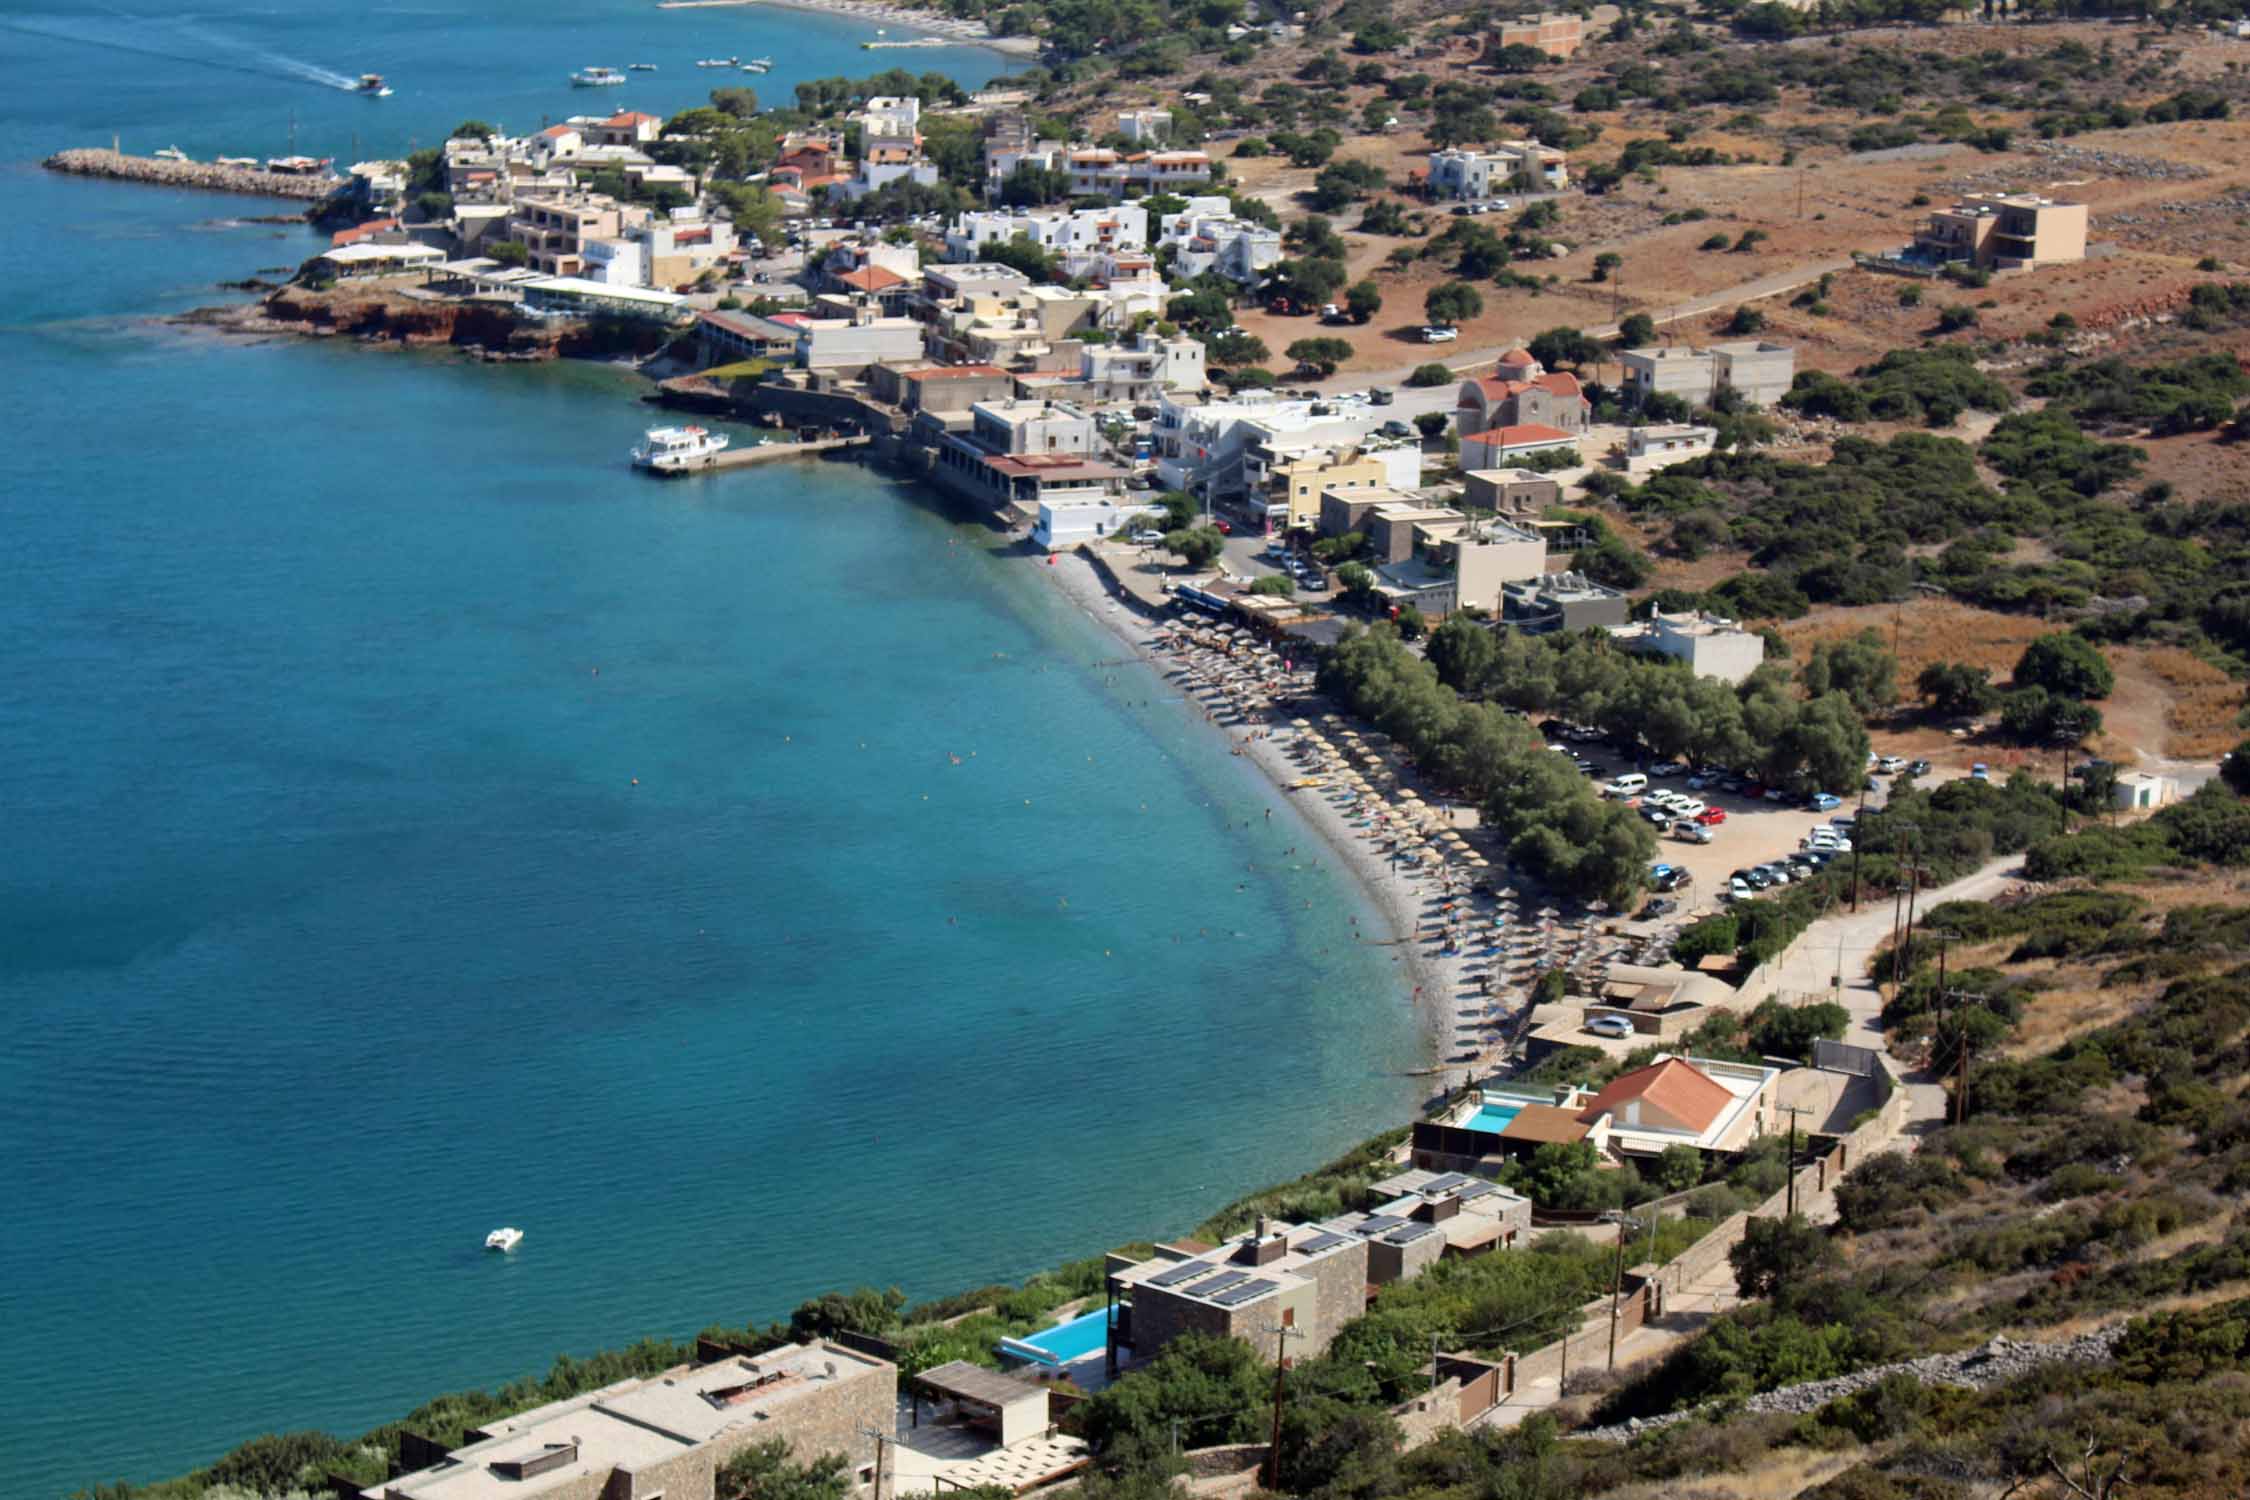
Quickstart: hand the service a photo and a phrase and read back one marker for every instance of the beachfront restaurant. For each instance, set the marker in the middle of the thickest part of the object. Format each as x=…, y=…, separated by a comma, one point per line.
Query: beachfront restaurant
x=368, y=258
x=574, y=296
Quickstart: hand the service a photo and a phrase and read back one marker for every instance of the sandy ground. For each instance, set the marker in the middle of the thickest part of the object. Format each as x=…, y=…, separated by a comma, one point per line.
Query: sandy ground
x=1459, y=1017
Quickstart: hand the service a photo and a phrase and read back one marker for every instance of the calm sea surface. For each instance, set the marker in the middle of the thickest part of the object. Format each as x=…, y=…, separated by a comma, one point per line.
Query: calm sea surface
x=414, y=822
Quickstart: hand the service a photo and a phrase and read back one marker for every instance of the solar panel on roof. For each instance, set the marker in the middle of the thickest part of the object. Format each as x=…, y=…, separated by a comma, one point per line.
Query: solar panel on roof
x=1249, y=1290
x=1217, y=1283
x=1446, y=1183
x=1323, y=1241
x=1409, y=1234
x=1476, y=1190
x=1185, y=1270
x=1380, y=1224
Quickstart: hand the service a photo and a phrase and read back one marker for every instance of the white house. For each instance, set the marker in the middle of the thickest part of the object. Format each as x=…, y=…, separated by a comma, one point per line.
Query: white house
x=1081, y=237
x=1235, y=248
x=1648, y=449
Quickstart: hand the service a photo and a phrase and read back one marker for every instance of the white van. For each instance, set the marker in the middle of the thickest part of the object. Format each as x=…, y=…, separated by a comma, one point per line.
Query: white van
x=1631, y=784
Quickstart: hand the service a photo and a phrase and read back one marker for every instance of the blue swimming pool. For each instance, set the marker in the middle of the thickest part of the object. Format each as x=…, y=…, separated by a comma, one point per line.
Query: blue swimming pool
x=1493, y=1117
x=1064, y=1343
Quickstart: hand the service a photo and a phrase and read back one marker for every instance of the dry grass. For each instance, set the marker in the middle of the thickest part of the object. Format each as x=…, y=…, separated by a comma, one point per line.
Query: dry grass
x=1781, y=1475
x=2055, y=1016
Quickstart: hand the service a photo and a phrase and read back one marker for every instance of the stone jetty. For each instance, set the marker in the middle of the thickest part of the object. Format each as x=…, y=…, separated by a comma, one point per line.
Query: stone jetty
x=205, y=176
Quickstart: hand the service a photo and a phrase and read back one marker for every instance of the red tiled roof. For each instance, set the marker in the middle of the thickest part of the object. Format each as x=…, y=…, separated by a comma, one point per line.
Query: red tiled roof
x=631, y=117
x=1519, y=434
x=358, y=232
x=871, y=279
x=1059, y=465
x=1672, y=1092
x=557, y=132
x=1518, y=357
x=1562, y=383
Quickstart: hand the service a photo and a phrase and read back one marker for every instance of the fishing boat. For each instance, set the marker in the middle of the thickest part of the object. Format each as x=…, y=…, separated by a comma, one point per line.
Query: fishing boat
x=372, y=85
x=596, y=78
x=503, y=1240
x=675, y=450
x=718, y=62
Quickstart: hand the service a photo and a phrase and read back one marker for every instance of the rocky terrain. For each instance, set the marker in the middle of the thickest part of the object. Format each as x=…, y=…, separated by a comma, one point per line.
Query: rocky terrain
x=203, y=175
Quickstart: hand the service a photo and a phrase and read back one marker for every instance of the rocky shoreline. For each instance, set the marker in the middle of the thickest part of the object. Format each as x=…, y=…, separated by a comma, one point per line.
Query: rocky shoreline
x=203, y=176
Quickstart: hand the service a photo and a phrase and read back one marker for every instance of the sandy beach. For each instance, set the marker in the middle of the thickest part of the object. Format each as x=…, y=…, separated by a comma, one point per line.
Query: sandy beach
x=1469, y=955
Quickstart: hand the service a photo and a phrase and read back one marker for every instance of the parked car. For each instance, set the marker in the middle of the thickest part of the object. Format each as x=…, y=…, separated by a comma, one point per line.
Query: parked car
x=1668, y=877
x=1776, y=794
x=1711, y=817
x=1226, y=528
x=1757, y=880
x=1656, y=813
x=1611, y=1026
x=1631, y=784
x=1662, y=906
x=1690, y=807
x=1149, y=538
x=1774, y=873
x=1890, y=765
x=1666, y=768
x=1436, y=335
x=1918, y=768
x=1381, y=395
x=1396, y=428
x=1737, y=890
x=1980, y=772
x=1693, y=832
x=1826, y=801
x=1734, y=784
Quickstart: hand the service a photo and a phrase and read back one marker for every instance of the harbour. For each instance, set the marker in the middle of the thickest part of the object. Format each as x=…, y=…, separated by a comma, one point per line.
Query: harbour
x=309, y=185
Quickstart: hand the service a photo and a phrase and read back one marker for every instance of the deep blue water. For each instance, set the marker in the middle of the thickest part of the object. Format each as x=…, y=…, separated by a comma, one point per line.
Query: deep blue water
x=415, y=822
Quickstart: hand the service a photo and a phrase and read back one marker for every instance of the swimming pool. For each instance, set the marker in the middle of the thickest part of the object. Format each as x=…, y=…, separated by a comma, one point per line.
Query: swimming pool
x=1063, y=1344
x=1492, y=1117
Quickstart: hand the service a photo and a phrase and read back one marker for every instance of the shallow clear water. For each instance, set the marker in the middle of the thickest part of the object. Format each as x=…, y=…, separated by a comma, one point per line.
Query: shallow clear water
x=416, y=823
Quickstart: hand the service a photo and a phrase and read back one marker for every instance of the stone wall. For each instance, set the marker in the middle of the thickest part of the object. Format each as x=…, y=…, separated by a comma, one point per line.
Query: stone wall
x=205, y=176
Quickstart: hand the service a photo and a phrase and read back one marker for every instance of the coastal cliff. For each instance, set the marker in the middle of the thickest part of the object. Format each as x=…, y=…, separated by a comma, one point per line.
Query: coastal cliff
x=205, y=176
x=383, y=315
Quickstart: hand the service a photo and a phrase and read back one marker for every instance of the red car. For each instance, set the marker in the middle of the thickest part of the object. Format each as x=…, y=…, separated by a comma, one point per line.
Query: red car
x=1226, y=528
x=1711, y=817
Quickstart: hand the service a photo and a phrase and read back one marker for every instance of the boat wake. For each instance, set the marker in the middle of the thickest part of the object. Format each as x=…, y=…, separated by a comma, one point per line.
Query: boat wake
x=225, y=54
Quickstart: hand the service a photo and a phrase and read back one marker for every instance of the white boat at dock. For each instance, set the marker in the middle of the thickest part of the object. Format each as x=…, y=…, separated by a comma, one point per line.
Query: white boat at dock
x=676, y=450
x=503, y=1240
x=596, y=78
x=171, y=153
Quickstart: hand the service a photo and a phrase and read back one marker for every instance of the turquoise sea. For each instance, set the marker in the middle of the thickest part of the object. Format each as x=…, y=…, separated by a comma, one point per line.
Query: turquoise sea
x=415, y=822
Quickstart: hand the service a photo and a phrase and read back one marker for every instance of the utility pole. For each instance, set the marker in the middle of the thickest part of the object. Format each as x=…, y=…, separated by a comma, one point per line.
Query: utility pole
x=1433, y=1363
x=1961, y=1081
x=1281, y=1338
x=1617, y=1283
x=1791, y=1211
x=1900, y=937
x=881, y=1438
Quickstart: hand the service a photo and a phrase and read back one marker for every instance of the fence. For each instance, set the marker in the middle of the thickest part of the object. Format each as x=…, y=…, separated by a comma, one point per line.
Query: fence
x=1644, y=1297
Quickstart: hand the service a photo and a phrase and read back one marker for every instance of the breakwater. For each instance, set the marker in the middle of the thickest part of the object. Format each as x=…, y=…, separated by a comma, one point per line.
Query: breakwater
x=205, y=176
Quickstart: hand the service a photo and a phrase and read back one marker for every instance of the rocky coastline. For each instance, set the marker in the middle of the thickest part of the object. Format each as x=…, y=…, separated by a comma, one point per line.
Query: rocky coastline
x=202, y=176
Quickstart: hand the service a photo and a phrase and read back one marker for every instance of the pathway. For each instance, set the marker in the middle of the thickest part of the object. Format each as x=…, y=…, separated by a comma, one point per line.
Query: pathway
x=1808, y=967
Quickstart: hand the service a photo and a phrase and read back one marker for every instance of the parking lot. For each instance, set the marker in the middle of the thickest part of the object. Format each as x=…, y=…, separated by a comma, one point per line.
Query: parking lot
x=1755, y=831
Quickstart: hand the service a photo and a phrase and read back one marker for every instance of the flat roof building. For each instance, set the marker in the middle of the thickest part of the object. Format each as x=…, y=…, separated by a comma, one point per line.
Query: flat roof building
x=1279, y=1276
x=667, y=1436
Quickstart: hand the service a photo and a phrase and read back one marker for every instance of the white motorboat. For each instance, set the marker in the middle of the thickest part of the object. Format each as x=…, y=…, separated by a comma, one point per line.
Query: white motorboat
x=503, y=1239
x=758, y=65
x=676, y=450
x=171, y=153
x=372, y=85
x=641, y=68
x=596, y=78
x=718, y=62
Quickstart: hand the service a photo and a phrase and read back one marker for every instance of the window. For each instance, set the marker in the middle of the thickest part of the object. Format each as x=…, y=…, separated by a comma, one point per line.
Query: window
x=1289, y=1317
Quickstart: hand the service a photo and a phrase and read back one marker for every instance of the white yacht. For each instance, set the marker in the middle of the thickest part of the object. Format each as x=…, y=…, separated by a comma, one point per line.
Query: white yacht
x=171, y=153
x=758, y=65
x=718, y=62
x=596, y=78
x=675, y=450
x=503, y=1239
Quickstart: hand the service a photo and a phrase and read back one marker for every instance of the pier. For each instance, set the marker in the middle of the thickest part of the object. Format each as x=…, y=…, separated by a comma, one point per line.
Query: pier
x=203, y=176
x=768, y=453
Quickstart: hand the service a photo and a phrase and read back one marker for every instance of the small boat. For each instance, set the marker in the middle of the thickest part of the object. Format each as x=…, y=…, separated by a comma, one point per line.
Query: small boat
x=246, y=163
x=372, y=85
x=596, y=78
x=503, y=1239
x=675, y=450
x=719, y=62
x=641, y=68
x=758, y=65
x=172, y=153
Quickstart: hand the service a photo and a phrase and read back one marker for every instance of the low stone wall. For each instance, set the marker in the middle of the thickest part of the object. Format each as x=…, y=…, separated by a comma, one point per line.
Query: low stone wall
x=201, y=175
